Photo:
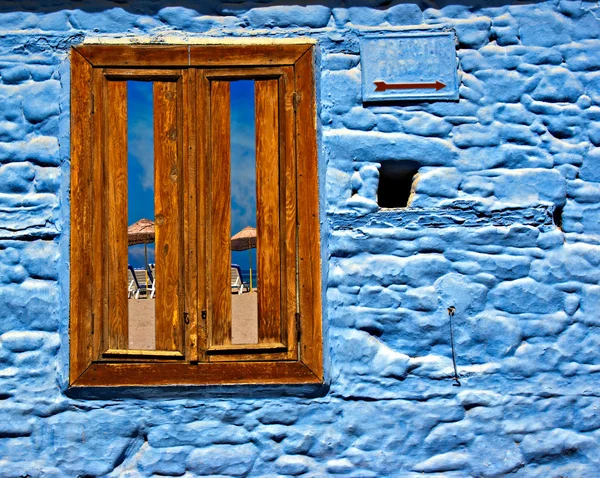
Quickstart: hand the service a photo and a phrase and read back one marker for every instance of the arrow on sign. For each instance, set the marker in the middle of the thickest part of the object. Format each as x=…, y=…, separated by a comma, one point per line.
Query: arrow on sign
x=382, y=86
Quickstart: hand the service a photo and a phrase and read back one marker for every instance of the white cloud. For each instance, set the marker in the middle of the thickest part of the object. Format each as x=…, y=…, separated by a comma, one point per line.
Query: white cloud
x=136, y=255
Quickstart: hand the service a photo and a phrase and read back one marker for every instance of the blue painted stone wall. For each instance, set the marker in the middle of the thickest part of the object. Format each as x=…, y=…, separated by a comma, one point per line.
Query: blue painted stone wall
x=499, y=169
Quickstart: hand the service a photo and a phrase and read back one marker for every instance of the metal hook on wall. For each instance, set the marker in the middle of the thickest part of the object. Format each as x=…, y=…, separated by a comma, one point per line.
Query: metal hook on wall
x=451, y=311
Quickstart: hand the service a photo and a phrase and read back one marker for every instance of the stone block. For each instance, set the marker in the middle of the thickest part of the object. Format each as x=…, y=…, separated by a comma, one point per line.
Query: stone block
x=443, y=462
x=513, y=113
x=583, y=192
x=311, y=16
x=375, y=146
x=15, y=75
x=590, y=169
x=17, y=341
x=437, y=182
x=495, y=456
x=387, y=123
x=543, y=28
x=543, y=56
x=198, y=434
x=294, y=465
x=55, y=21
x=340, y=90
x=594, y=133
x=276, y=413
x=340, y=466
x=16, y=178
x=41, y=101
x=41, y=259
x=424, y=124
x=366, y=16
x=163, y=461
x=504, y=86
x=456, y=291
x=360, y=119
x=47, y=180
x=111, y=20
x=473, y=32
x=222, y=460
x=474, y=135
x=29, y=305
x=40, y=150
x=526, y=295
x=558, y=85
x=340, y=61
x=404, y=14
x=556, y=442
x=582, y=56
x=524, y=187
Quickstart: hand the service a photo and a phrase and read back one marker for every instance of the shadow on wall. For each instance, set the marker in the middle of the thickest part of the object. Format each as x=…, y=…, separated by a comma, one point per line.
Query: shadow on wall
x=215, y=7
x=395, y=182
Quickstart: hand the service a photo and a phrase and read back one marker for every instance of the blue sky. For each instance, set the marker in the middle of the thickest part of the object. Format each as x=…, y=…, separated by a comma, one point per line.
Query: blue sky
x=141, y=163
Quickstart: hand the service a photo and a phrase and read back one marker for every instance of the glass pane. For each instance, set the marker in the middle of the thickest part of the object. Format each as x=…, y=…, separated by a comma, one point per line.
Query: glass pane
x=244, y=280
x=140, y=158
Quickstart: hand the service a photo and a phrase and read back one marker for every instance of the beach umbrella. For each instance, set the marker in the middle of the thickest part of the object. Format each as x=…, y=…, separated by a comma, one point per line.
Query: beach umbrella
x=245, y=240
x=141, y=232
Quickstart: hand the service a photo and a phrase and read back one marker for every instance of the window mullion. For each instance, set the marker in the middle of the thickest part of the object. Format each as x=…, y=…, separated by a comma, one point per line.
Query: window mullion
x=116, y=212
x=168, y=177
x=267, y=213
x=219, y=235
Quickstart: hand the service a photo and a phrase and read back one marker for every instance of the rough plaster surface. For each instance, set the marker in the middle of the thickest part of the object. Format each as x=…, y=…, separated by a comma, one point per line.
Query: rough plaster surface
x=499, y=169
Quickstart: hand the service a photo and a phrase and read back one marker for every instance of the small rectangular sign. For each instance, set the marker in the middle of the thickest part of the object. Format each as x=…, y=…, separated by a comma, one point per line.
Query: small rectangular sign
x=409, y=66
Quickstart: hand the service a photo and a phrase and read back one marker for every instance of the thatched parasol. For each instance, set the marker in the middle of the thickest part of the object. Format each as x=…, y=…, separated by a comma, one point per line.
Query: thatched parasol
x=244, y=241
x=141, y=232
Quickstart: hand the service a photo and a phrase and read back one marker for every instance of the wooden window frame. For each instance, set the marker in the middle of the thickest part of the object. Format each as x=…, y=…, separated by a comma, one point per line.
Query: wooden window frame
x=195, y=355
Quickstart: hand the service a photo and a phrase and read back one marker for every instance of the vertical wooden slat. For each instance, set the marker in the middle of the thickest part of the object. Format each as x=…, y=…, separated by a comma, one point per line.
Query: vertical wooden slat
x=288, y=212
x=167, y=208
x=190, y=222
x=203, y=200
x=267, y=210
x=80, y=328
x=220, y=233
x=311, y=351
x=116, y=212
x=97, y=246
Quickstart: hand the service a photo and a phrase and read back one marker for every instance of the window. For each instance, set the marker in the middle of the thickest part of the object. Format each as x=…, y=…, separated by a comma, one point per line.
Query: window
x=193, y=342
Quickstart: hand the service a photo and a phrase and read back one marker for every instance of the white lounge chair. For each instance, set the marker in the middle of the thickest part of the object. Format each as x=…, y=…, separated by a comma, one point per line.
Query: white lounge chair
x=152, y=275
x=236, y=279
x=132, y=289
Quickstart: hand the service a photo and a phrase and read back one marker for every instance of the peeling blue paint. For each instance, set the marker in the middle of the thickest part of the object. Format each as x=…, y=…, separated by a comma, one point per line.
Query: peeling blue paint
x=503, y=224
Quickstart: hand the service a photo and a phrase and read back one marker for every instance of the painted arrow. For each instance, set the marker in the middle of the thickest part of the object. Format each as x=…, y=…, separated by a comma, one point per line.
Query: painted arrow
x=382, y=86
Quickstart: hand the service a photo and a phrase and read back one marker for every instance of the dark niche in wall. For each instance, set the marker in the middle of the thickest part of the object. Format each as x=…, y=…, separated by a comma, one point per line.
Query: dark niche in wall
x=395, y=182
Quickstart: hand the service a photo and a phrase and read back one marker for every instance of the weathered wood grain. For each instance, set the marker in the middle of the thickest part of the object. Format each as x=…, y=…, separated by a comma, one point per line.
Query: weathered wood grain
x=80, y=325
x=168, y=224
x=116, y=212
x=148, y=374
x=288, y=212
x=190, y=212
x=203, y=135
x=267, y=210
x=220, y=232
x=311, y=349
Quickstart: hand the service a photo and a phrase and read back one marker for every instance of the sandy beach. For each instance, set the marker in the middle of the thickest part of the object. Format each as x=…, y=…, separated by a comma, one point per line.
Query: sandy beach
x=244, y=329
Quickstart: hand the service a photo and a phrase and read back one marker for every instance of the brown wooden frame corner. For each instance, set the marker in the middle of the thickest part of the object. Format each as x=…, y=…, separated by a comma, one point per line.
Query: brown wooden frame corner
x=86, y=370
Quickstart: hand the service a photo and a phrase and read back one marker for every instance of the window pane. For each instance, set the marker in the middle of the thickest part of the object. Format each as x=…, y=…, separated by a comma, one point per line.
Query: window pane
x=244, y=280
x=141, y=257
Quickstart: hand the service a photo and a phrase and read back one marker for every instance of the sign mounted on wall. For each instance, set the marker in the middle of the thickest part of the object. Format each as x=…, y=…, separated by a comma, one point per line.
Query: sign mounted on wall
x=409, y=66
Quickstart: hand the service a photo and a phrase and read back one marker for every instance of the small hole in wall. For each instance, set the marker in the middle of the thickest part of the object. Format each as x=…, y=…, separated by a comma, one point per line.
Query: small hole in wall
x=557, y=216
x=395, y=182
